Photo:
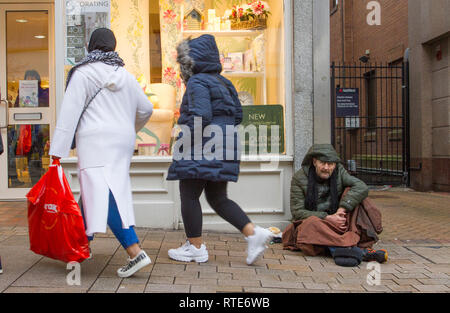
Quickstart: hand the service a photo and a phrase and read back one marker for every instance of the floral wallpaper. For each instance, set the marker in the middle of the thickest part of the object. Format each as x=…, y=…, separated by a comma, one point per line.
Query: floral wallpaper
x=129, y=21
x=171, y=22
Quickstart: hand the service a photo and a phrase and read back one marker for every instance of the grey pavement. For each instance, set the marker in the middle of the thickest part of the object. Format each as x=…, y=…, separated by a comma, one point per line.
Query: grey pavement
x=416, y=264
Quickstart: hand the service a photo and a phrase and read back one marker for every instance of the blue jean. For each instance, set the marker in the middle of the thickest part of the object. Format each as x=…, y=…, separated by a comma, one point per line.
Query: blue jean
x=126, y=237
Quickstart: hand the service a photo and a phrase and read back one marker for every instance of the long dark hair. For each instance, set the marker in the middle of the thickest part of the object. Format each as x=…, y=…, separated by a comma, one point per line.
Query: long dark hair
x=312, y=193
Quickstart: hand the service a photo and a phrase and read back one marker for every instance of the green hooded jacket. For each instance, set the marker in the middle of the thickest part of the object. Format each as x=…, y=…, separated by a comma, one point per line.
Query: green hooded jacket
x=299, y=185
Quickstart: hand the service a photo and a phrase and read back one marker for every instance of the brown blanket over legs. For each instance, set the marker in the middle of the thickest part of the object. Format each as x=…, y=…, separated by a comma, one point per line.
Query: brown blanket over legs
x=313, y=234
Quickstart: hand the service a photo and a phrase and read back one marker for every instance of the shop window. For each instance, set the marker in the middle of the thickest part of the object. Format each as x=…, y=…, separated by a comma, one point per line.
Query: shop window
x=155, y=44
x=252, y=55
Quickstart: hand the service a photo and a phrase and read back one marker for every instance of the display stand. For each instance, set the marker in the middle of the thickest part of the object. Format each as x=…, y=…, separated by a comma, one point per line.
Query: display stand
x=251, y=34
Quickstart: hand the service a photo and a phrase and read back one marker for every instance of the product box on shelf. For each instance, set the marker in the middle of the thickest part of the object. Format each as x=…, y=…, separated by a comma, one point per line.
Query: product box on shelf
x=249, y=61
x=227, y=64
x=237, y=59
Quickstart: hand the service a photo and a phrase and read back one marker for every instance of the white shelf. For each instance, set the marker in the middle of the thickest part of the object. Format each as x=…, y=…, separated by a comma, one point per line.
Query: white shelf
x=243, y=74
x=228, y=33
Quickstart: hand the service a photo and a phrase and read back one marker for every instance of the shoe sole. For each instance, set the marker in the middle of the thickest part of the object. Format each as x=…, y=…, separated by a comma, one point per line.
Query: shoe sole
x=200, y=259
x=385, y=257
x=258, y=255
x=378, y=258
x=138, y=267
x=261, y=252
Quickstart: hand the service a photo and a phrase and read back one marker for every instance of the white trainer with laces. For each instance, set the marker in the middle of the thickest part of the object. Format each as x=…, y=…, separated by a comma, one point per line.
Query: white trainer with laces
x=134, y=265
x=257, y=244
x=189, y=253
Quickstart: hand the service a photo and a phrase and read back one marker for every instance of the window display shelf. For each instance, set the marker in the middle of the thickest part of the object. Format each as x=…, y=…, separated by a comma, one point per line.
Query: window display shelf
x=251, y=35
x=228, y=33
x=243, y=74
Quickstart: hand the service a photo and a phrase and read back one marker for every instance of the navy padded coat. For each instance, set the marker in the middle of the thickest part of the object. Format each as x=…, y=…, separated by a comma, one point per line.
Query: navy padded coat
x=214, y=99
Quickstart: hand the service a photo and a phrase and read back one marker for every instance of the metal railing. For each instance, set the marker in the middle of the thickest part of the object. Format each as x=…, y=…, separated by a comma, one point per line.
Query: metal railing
x=370, y=120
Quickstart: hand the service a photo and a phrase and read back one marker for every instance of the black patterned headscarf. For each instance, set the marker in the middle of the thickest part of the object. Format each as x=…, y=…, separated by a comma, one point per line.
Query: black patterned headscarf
x=101, y=49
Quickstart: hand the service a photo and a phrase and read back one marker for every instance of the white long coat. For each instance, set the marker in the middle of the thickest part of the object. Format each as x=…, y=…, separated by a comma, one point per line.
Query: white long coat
x=105, y=138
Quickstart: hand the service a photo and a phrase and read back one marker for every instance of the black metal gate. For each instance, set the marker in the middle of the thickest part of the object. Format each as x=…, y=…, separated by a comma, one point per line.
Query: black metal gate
x=370, y=120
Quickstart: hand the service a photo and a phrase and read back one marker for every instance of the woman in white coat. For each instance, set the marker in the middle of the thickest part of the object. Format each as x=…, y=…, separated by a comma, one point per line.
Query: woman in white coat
x=105, y=135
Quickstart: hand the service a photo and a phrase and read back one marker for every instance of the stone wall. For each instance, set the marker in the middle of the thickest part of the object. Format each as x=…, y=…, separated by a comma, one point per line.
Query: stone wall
x=429, y=33
x=303, y=88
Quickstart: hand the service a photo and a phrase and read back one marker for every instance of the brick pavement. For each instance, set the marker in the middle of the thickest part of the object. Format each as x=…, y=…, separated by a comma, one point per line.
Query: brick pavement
x=416, y=234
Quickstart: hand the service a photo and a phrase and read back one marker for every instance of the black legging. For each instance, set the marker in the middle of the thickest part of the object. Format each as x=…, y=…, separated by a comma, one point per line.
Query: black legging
x=216, y=195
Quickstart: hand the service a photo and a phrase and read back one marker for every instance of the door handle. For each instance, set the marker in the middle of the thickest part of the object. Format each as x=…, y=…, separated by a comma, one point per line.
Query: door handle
x=6, y=113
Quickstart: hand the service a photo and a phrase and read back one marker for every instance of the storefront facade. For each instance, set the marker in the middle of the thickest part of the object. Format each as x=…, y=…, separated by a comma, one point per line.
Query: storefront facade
x=269, y=57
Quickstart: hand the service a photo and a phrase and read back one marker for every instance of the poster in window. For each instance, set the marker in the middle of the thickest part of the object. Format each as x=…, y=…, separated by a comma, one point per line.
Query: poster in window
x=28, y=93
x=82, y=18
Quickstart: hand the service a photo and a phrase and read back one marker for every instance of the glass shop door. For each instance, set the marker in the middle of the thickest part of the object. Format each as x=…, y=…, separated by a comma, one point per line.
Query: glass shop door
x=27, y=107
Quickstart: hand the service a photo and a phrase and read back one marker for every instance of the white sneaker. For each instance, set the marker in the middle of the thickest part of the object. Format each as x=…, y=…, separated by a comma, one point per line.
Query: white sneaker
x=189, y=253
x=257, y=244
x=134, y=265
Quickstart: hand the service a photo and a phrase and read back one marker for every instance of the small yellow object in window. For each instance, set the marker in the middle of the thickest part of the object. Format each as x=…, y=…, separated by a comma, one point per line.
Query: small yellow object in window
x=155, y=101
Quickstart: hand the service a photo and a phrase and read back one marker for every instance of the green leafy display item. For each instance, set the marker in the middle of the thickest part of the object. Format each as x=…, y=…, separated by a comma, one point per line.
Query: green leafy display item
x=147, y=131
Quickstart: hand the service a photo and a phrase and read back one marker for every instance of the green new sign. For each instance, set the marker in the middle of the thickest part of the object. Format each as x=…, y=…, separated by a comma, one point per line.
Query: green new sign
x=262, y=129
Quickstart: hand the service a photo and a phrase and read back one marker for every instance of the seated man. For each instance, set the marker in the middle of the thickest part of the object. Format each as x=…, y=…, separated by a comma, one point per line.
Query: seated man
x=323, y=197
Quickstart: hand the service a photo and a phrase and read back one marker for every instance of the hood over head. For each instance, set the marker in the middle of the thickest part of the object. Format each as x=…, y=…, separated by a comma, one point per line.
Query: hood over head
x=101, y=49
x=102, y=39
x=105, y=76
x=322, y=152
x=199, y=55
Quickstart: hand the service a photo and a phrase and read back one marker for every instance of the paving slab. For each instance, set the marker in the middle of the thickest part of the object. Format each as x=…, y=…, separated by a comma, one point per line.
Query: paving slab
x=416, y=235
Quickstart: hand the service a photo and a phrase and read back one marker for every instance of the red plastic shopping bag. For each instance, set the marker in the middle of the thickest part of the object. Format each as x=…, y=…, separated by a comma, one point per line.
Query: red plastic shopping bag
x=55, y=223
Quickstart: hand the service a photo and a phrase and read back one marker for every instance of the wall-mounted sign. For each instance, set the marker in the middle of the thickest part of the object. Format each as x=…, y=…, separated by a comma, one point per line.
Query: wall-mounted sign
x=347, y=102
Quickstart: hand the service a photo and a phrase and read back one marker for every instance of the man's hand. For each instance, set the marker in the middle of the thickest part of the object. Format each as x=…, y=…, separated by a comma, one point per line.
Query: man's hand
x=339, y=219
x=341, y=212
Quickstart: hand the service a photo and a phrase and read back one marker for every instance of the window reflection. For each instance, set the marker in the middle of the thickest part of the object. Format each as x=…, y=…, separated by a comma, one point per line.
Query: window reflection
x=28, y=158
x=27, y=58
x=31, y=93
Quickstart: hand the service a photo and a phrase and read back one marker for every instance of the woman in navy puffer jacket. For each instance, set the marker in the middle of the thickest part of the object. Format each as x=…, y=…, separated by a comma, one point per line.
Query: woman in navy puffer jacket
x=206, y=155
